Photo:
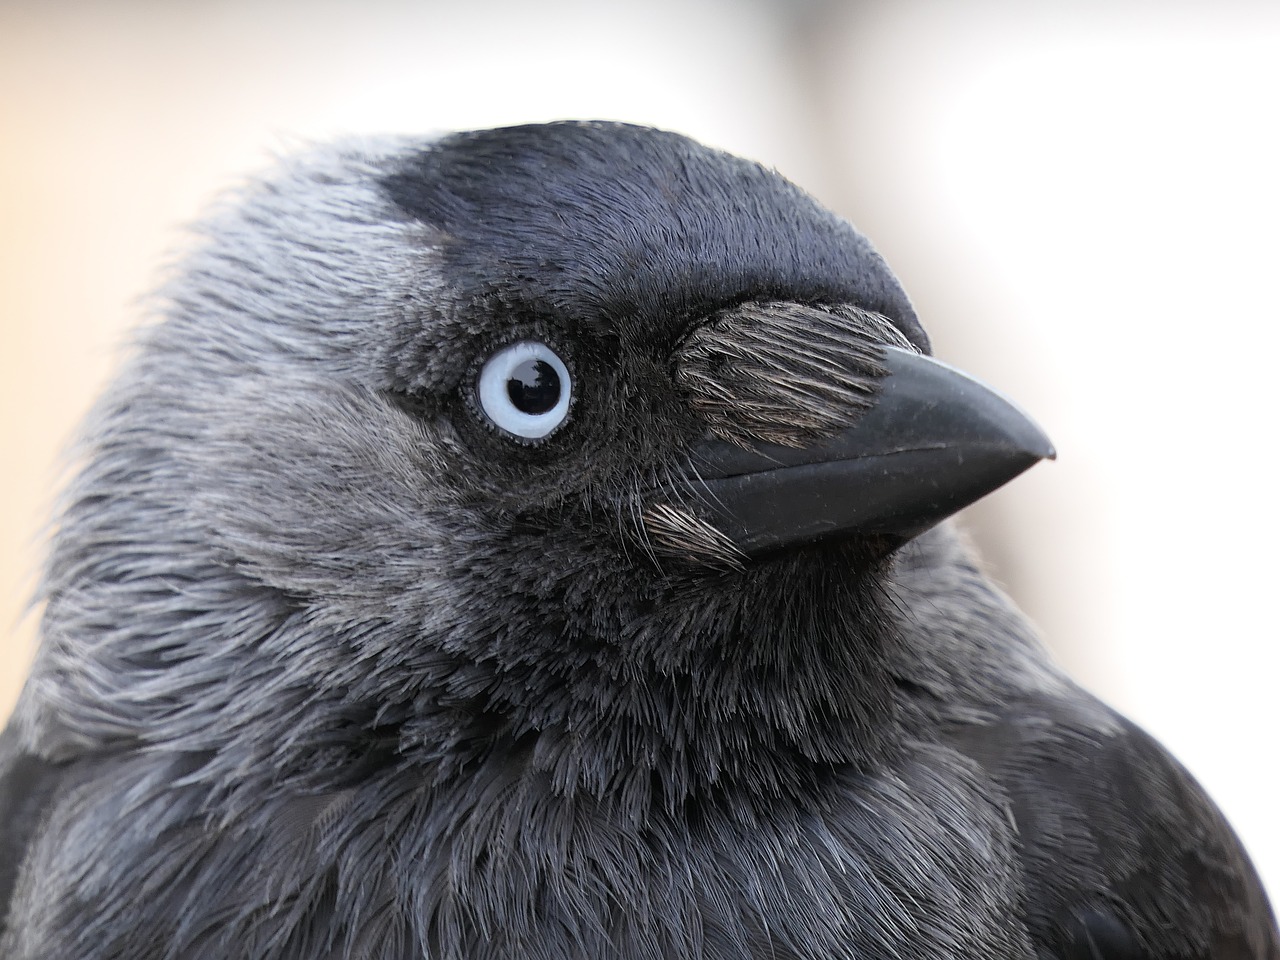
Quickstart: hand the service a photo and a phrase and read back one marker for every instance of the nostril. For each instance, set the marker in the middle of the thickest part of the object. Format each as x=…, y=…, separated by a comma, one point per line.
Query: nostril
x=784, y=373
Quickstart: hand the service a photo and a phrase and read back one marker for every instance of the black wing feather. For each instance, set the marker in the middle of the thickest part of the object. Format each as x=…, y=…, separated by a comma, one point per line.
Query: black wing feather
x=27, y=783
x=1125, y=857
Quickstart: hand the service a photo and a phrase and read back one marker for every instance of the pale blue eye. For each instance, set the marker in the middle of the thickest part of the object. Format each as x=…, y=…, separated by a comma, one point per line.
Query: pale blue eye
x=525, y=389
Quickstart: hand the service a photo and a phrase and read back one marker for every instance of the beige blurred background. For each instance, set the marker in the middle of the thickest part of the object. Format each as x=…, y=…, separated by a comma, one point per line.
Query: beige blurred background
x=1081, y=197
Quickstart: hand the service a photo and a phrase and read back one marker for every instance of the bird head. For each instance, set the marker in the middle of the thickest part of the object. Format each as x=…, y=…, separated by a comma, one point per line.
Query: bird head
x=579, y=427
x=694, y=338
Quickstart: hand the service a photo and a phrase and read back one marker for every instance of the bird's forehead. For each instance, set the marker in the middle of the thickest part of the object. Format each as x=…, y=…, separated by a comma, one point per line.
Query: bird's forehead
x=632, y=228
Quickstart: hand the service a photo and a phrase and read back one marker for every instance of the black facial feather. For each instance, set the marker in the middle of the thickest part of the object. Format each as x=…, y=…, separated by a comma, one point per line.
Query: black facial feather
x=334, y=666
x=633, y=230
x=783, y=373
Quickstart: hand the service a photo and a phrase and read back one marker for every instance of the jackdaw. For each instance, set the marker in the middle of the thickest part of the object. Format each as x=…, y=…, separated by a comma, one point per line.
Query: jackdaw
x=530, y=544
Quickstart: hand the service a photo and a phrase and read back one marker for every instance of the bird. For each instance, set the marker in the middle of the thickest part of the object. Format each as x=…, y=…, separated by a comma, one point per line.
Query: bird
x=536, y=543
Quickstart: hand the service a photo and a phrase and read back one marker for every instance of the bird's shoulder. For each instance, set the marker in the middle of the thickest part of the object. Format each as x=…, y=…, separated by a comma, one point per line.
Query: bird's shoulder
x=27, y=783
x=1124, y=856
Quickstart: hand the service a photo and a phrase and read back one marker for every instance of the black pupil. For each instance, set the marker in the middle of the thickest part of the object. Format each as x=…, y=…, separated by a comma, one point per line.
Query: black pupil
x=534, y=387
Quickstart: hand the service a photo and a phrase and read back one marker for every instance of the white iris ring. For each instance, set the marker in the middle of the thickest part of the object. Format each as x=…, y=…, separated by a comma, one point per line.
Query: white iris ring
x=495, y=397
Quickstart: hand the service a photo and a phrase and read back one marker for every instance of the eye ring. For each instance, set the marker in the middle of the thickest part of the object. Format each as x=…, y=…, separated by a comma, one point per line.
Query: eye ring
x=525, y=389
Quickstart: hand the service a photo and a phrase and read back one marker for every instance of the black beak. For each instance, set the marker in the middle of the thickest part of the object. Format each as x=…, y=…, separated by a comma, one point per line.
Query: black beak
x=935, y=441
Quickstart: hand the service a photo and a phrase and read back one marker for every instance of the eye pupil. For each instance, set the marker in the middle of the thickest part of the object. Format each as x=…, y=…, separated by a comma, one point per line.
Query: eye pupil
x=533, y=386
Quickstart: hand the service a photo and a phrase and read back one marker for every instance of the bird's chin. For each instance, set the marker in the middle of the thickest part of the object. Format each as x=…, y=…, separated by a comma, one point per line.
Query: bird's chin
x=678, y=534
x=838, y=554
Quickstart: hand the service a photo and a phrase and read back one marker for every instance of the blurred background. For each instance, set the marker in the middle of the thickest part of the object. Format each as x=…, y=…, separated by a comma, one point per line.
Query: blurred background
x=1081, y=197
